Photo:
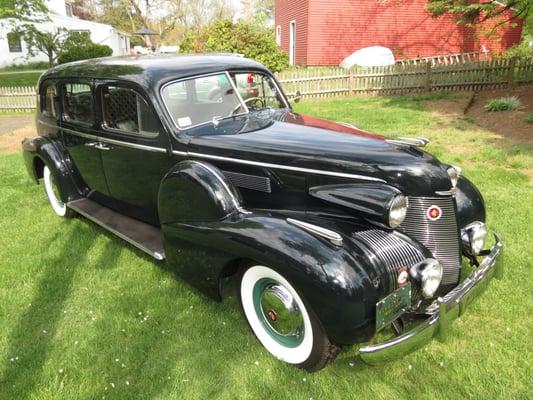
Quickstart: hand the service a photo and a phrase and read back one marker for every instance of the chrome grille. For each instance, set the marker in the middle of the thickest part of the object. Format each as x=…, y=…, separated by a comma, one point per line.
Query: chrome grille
x=441, y=237
x=393, y=252
x=246, y=181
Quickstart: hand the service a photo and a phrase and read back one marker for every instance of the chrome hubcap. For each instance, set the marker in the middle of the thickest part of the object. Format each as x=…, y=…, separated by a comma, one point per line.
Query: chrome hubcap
x=280, y=311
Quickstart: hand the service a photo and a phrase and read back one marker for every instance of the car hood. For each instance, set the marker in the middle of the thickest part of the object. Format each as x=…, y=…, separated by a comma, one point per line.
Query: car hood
x=301, y=141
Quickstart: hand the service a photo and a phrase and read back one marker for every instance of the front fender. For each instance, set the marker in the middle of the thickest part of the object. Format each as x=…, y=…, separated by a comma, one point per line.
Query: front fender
x=40, y=151
x=332, y=280
x=470, y=203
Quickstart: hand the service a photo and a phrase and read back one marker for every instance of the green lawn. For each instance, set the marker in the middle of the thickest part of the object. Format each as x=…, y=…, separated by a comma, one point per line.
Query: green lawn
x=83, y=315
x=19, y=79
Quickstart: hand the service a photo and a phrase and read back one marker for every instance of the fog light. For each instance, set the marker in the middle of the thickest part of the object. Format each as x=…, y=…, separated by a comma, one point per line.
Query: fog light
x=428, y=274
x=473, y=237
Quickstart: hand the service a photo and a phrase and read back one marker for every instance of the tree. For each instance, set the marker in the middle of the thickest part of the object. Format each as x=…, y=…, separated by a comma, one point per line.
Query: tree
x=48, y=43
x=23, y=10
x=471, y=13
x=241, y=37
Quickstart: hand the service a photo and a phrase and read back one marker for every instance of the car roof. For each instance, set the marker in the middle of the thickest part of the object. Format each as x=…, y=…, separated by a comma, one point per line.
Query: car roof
x=150, y=71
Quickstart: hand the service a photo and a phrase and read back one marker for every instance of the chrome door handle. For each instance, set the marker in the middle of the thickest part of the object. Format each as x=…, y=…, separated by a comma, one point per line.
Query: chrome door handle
x=102, y=146
x=90, y=144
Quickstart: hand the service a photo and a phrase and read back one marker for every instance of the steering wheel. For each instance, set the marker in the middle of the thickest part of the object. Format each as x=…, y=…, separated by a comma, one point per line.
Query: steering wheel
x=259, y=100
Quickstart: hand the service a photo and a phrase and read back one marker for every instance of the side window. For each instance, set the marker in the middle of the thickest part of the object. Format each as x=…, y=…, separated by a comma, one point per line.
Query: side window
x=78, y=103
x=48, y=100
x=125, y=110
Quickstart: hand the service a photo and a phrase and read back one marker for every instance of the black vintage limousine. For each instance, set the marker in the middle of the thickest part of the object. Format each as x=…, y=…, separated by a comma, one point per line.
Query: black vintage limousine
x=333, y=233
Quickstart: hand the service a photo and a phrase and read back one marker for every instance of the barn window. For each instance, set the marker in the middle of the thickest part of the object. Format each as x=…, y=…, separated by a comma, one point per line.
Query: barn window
x=278, y=35
x=14, y=42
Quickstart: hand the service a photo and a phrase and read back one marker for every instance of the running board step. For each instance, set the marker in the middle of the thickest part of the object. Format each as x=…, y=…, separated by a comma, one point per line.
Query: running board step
x=144, y=236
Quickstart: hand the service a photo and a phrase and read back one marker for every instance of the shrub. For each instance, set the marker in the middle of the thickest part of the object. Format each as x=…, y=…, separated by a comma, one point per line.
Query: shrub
x=529, y=119
x=92, y=50
x=240, y=37
x=503, y=104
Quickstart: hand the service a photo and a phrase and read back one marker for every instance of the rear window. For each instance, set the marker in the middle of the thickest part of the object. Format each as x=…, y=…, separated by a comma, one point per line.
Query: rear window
x=126, y=110
x=78, y=103
x=48, y=97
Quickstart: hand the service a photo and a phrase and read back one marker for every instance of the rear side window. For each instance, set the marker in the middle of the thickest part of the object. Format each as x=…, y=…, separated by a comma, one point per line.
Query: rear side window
x=126, y=110
x=48, y=100
x=78, y=103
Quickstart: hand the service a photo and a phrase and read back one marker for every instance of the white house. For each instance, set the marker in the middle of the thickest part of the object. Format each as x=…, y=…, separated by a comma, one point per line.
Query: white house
x=13, y=50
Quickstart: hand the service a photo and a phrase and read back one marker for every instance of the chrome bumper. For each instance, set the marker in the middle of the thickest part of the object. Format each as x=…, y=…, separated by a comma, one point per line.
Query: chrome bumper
x=442, y=312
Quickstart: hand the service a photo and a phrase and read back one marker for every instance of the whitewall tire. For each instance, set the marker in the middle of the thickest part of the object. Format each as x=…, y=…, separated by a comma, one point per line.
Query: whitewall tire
x=281, y=320
x=54, y=196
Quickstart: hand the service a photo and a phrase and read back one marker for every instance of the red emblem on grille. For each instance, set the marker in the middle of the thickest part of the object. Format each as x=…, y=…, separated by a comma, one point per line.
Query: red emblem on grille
x=434, y=213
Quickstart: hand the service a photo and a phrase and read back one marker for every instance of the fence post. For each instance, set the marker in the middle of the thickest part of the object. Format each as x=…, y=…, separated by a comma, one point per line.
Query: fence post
x=427, y=85
x=510, y=73
x=351, y=82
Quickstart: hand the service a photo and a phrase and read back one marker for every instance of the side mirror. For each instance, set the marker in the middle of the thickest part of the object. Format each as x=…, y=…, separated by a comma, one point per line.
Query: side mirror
x=297, y=97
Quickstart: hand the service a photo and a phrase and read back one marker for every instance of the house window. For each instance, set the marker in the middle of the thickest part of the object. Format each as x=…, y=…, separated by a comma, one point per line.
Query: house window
x=292, y=42
x=278, y=35
x=68, y=9
x=125, y=110
x=14, y=42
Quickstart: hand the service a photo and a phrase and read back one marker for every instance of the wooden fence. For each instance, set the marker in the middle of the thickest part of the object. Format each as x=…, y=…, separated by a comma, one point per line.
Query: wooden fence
x=16, y=98
x=399, y=79
x=394, y=79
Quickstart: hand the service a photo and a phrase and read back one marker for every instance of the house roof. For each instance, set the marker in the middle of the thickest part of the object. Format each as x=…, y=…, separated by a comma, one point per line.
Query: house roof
x=153, y=70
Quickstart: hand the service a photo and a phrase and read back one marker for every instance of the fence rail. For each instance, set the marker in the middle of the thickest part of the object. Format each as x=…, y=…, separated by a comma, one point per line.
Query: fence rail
x=408, y=78
x=394, y=79
x=17, y=98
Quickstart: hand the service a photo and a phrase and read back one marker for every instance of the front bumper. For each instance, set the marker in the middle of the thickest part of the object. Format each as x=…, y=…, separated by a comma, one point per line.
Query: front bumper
x=442, y=312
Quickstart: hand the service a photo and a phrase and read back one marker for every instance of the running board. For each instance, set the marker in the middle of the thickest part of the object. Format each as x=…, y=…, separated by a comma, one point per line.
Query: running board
x=144, y=236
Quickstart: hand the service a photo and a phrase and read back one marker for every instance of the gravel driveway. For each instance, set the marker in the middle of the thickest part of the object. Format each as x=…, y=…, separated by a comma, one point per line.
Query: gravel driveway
x=9, y=123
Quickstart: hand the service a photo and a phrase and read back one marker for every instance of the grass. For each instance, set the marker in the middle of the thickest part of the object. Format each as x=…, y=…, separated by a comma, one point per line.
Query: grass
x=84, y=315
x=503, y=104
x=529, y=119
x=19, y=79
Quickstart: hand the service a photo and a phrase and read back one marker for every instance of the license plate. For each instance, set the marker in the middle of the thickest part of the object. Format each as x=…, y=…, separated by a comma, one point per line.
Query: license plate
x=392, y=306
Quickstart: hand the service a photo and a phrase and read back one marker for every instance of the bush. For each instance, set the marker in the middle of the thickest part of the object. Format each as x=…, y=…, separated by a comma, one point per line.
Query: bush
x=503, y=104
x=34, y=65
x=85, y=52
x=241, y=37
x=529, y=119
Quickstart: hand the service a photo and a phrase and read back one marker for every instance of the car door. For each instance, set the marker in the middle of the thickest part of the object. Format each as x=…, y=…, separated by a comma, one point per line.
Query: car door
x=138, y=153
x=78, y=126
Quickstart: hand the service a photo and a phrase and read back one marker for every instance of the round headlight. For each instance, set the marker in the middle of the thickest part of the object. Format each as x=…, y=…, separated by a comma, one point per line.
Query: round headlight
x=473, y=237
x=454, y=172
x=397, y=211
x=428, y=274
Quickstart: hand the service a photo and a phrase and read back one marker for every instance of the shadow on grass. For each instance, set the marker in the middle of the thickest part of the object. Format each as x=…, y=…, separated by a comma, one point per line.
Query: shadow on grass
x=33, y=336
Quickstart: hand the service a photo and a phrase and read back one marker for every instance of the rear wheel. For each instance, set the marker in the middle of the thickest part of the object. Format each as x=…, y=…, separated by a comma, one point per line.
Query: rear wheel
x=281, y=320
x=54, y=195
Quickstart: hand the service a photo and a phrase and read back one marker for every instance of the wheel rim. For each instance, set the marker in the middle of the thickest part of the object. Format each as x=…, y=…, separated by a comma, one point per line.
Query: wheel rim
x=289, y=335
x=53, y=193
x=278, y=312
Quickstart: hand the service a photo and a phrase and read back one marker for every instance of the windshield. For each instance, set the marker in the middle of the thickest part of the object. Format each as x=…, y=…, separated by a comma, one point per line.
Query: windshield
x=209, y=99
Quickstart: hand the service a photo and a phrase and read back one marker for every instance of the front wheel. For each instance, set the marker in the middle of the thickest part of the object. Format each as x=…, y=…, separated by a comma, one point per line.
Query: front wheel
x=282, y=322
x=54, y=195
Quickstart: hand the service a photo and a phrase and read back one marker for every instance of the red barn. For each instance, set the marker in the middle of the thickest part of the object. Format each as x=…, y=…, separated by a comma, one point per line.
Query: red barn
x=324, y=32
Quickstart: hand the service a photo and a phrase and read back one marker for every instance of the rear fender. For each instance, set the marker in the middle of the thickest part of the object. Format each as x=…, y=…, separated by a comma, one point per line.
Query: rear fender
x=40, y=151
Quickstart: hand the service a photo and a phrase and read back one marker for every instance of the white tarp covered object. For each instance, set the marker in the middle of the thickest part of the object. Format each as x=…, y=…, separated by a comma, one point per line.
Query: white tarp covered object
x=374, y=56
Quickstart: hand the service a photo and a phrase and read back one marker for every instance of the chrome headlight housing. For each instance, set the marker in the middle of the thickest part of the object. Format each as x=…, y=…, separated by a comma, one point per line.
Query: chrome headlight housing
x=473, y=237
x=397, y=210
x=454, y=173
x=428, y=274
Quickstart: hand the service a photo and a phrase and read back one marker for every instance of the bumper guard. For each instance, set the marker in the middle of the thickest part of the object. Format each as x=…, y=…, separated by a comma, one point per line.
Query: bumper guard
x=441, y=312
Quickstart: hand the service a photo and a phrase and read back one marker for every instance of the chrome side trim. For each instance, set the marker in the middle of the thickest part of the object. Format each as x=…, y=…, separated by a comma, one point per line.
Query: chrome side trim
x=284, y=167
x=332, y=236
x=346, y=124
x=114, y=141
